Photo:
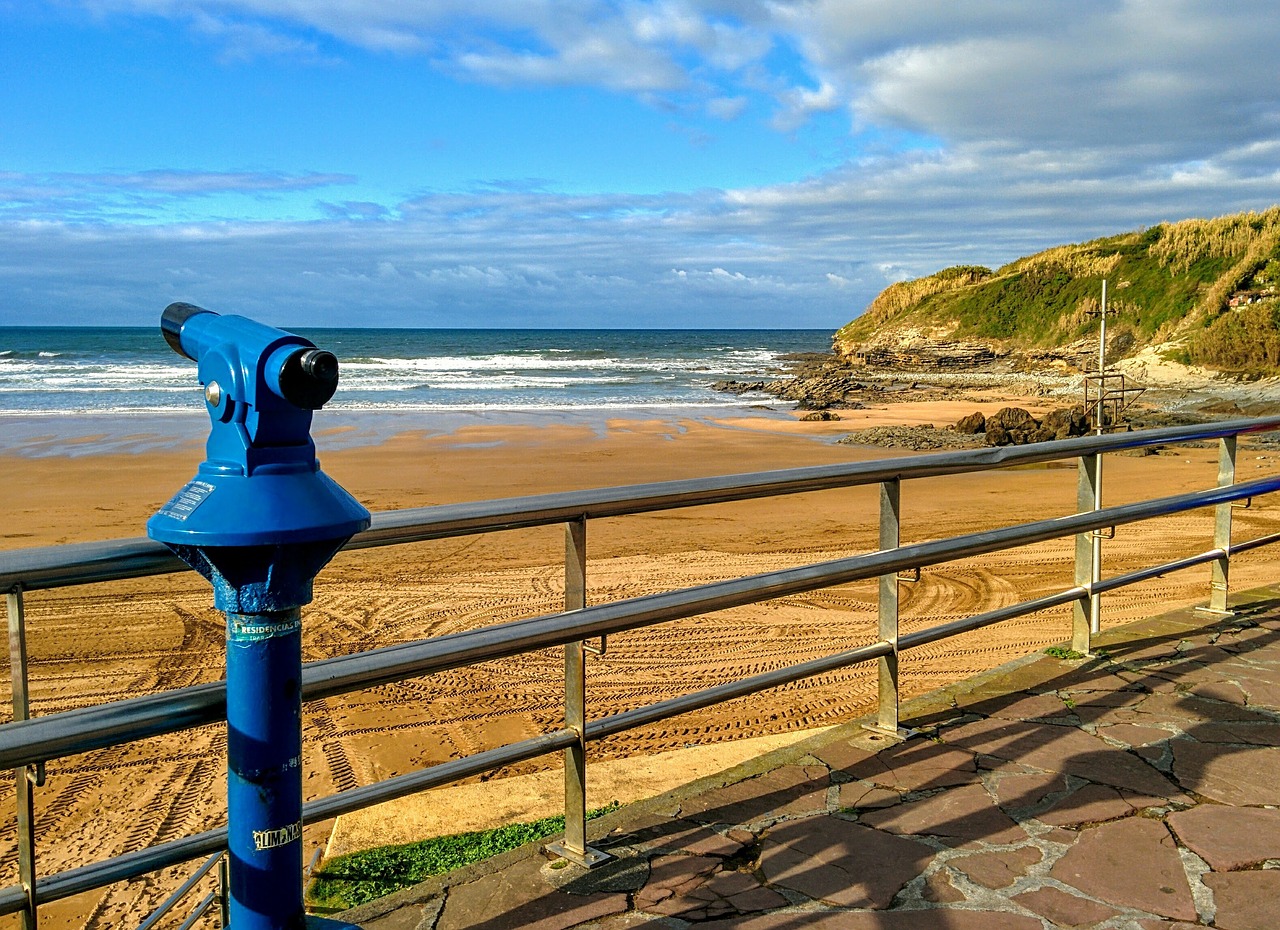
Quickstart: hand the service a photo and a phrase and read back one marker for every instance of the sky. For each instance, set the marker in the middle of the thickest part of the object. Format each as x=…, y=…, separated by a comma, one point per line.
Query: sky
x=582, y=163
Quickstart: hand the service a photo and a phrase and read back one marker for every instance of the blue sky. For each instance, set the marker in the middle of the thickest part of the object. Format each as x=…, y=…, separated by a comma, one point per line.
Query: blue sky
x=586, y=163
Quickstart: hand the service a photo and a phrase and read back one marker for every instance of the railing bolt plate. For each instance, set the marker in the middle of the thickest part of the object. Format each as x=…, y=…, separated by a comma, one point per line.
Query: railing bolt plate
x=1214, y=612
x=589, y=858
x=900, y=734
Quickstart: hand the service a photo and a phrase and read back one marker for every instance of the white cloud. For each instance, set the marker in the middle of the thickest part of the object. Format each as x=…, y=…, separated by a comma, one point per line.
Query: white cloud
x=635, y=47
x=1149, y=80
x=241, y=41
x=1154, y=79
x=722, y=278
x=142, y=195
x=892, y=272
x=799, y=104
x=727, y=108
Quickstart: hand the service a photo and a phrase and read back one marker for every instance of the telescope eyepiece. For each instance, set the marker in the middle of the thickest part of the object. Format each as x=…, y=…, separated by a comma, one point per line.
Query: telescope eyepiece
x=171, y=322
x=309, y=378
x=320, y=365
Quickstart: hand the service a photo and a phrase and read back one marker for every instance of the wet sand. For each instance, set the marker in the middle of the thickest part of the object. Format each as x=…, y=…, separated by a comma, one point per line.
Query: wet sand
x=107, y=642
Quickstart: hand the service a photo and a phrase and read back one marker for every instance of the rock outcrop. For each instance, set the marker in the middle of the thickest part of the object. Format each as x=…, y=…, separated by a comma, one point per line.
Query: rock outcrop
x=925, y=355
x=819, y=383
x=924, y=438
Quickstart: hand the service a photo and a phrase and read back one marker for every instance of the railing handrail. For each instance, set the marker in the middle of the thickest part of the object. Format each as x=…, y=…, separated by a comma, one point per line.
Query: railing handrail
x=45, y=567
x=53, y=736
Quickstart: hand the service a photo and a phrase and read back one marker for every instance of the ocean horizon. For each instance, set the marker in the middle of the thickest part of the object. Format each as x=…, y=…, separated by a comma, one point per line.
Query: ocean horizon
x=59, y=384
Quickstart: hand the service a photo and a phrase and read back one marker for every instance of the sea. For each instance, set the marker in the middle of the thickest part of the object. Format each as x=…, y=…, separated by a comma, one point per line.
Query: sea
x=98, y=382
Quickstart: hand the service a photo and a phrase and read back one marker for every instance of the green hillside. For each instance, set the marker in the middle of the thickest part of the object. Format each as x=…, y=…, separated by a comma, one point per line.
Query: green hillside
x=1172, y=283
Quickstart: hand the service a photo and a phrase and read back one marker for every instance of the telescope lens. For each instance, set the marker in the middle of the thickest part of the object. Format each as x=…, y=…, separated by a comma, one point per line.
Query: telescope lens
x=309, y=378
x=171, y=322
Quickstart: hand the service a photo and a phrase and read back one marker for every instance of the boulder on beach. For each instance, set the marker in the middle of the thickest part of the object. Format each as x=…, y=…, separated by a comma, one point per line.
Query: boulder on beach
x=1066, y=422
x=1013, y=419
x=1014, y=426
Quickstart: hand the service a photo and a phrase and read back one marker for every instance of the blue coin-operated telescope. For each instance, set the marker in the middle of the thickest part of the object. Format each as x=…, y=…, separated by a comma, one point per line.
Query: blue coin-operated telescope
x=259, y=520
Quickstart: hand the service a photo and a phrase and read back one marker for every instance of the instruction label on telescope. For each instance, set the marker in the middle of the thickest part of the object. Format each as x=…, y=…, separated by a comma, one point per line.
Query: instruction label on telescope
x=184, y=503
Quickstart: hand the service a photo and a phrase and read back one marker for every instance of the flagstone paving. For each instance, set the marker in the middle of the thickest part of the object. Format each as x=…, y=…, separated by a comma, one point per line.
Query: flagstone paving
x=1134, y=790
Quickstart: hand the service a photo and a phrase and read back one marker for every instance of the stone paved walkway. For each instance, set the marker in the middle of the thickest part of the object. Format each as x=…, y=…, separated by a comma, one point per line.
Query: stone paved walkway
x=1139, y=790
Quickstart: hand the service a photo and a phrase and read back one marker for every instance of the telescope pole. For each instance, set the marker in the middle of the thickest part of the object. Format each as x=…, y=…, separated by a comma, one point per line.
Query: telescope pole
x=264, y=769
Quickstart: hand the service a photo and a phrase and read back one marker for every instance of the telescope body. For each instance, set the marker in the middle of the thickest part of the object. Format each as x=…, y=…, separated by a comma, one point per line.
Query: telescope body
x=259, y=520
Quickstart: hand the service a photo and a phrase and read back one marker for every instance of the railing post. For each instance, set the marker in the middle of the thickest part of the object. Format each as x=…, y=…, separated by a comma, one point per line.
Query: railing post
x=224, y=891
x=24, y=777
x=1085, y=613
x=887, y=666
x=1095, y=602
x=574, y=847
x=1219, y=582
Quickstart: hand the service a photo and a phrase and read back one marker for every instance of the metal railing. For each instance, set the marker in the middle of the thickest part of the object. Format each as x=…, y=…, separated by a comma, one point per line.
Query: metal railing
x=26, y=744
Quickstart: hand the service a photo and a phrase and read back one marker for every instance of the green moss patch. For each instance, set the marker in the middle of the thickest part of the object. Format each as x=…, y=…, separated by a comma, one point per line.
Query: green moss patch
x=353, y=879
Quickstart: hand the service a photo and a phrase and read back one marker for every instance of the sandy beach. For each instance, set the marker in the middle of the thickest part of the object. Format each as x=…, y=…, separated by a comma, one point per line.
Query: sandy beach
x=107, y=642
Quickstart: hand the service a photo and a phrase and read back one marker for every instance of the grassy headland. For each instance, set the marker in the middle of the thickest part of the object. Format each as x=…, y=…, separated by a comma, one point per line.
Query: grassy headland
x=1206, y=289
